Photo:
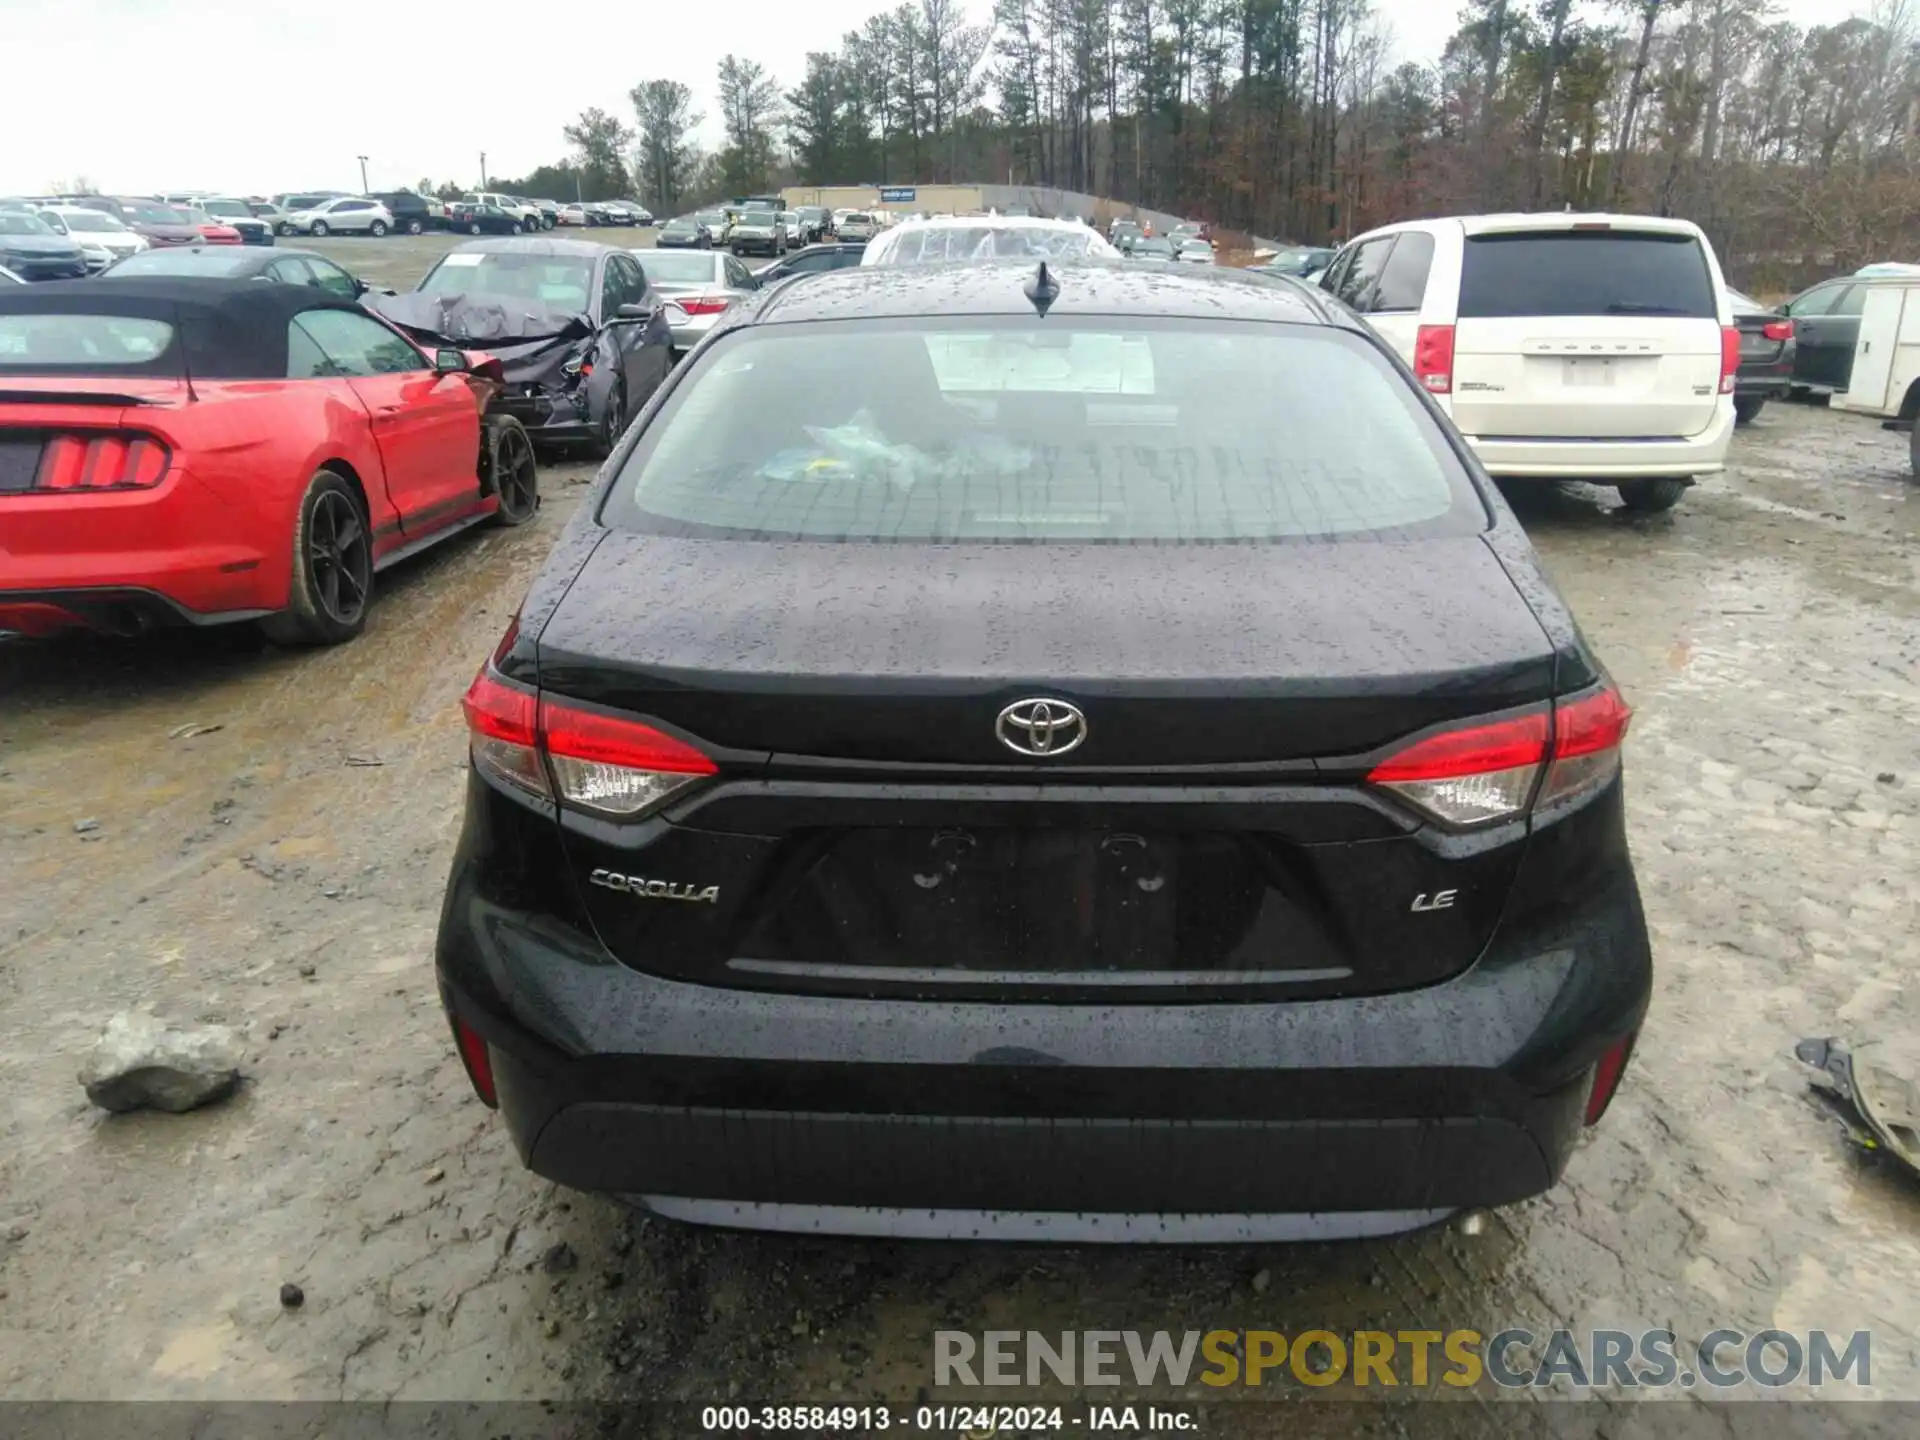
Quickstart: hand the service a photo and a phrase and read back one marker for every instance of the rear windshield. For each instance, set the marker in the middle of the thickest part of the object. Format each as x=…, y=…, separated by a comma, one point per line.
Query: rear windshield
x=89, y=342
x=670, y=265
x=940, y=243
x=1087, y=432
x=1590, y=272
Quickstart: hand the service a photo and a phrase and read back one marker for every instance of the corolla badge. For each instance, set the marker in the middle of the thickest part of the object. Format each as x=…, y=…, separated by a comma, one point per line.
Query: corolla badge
x=1041, y=727
x=656, y=889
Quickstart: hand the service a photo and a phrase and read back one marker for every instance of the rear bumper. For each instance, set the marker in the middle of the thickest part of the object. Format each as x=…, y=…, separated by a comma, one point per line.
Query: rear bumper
x=129, y=560
x=1605, y=458
x=1164, y=1122
x=111, y=610
x=686, y=336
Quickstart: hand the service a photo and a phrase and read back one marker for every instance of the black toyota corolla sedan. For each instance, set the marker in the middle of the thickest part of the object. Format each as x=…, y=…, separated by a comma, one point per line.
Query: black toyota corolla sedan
x=1106, y=767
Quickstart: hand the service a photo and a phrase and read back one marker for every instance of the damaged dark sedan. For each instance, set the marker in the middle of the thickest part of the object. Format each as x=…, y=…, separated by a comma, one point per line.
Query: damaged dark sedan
x=582, y=336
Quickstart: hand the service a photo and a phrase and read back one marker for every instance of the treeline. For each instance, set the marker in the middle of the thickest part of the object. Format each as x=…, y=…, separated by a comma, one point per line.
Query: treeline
x=1794, y=146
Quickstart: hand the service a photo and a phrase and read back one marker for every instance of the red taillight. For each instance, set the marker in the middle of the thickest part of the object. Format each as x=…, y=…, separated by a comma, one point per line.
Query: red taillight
x=1433, y=359
x=101, y=462
x=478, y=1060
x=586, y=759
x=615, y=766
x=1606, y=1077
x=503, y=723
x=702, y=304
x=1729, y=357
x=1503, y=745
x=1778, y=329
x=1481, y=773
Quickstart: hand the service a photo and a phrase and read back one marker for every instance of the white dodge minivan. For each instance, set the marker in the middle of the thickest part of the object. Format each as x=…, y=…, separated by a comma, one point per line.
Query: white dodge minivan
x=1565, y=346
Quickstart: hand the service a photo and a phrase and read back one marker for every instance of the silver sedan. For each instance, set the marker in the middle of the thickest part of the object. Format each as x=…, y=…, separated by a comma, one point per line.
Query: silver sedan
x=699, y=287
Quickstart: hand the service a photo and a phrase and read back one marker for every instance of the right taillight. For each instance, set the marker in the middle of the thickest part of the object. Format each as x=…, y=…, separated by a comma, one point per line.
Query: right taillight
x=702, y=304
x=101, y=462
x=1491, y=771
x=585, y=759
x=1777, y=329
x=1433, y=359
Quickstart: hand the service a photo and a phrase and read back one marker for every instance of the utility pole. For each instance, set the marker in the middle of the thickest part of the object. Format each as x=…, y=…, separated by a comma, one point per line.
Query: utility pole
x=483, y=169
x=363, y=173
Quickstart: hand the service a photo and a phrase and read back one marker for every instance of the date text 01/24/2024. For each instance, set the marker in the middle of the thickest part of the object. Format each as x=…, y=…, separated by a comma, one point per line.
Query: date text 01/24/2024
x=961, y=1420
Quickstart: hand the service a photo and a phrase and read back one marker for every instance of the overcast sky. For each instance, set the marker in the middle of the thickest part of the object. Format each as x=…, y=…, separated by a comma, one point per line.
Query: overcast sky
x=260, y=96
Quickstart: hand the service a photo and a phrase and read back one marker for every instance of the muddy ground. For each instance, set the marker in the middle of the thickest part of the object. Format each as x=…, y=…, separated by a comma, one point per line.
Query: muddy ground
x=282, y=873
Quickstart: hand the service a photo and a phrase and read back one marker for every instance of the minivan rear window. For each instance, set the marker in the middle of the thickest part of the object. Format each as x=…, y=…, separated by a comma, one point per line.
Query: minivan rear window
x=1585, y=272
x=993, y=429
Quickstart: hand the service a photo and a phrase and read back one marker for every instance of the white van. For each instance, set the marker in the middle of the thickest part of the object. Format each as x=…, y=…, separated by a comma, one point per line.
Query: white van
x=1576, y=346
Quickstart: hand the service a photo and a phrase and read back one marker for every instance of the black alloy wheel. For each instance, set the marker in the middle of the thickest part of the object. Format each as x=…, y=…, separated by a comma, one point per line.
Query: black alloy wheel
x=339, y=558
x=332, y=582
x=511, y=471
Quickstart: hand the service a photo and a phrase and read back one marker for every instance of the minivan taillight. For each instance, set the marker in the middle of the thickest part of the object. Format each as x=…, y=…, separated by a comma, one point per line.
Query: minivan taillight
x=101, y=462
x=1433, y=359
x=1482, y=773
x=586, y=759
x=1729, y=357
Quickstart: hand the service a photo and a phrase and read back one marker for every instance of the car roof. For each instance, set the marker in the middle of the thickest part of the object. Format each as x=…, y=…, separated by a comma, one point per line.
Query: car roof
x=997, y=287
x=1522, y=221
x=228, y=329
x=533, y=245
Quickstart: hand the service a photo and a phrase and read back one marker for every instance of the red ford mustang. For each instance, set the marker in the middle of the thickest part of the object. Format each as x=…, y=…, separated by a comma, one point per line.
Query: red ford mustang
x=197, y=450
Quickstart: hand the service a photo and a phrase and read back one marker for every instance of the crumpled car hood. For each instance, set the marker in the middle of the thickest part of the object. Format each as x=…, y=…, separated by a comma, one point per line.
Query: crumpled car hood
x=530, y=340
x=481, y=321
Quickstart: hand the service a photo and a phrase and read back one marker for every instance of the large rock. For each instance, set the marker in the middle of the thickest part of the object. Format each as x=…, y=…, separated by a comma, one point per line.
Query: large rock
x=141, y=1061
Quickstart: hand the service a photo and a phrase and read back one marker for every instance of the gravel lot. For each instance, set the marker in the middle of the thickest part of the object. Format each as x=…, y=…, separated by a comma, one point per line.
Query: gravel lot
x=283, y=874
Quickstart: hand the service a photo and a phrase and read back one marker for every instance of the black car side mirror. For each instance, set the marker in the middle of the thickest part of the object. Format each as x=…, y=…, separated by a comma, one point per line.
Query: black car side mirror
x=450, y=362
x=634, y=312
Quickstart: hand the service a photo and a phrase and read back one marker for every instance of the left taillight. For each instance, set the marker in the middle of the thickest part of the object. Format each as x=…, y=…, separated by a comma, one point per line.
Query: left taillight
x=1777, y=329
x=1729, y=357
x=1489, y=771
x=101, y=462
x=585, y=759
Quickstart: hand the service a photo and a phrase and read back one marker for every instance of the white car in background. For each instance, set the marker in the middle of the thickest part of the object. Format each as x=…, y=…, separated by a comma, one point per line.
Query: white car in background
x=347, y=215
x=101, y=238
x=1194, y=251
x=573, y=215
x=1569, y=345
x=986, y=237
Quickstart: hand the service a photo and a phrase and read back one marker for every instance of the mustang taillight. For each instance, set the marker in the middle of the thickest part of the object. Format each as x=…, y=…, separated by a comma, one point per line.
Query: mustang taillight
x=1481, y=773
x=585, y=759
x=101, y=462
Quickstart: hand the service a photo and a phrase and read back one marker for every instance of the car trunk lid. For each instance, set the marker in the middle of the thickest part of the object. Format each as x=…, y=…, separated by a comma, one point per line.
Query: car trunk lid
x=868, y=831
